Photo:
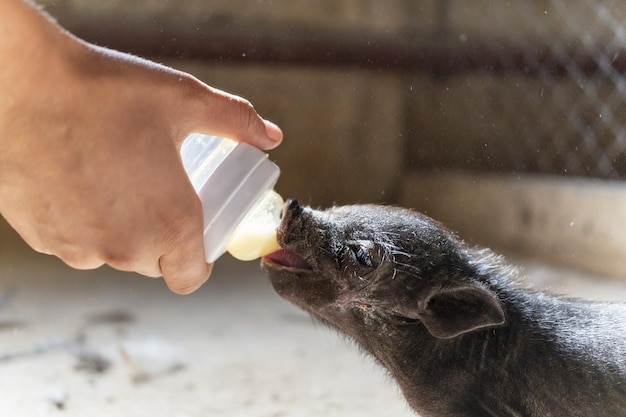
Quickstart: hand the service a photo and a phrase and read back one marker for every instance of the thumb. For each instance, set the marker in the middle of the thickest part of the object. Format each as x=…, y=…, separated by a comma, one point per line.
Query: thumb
x=223, y=114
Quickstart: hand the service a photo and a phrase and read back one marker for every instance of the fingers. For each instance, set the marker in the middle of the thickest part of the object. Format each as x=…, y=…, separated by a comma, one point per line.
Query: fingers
x=183, y=267
x=184, y=271
x=237, y=119
x=274, y=133
x=182, y=263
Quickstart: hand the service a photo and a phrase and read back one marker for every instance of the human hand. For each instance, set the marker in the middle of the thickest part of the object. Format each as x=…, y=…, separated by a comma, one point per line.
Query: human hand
x=90, y=169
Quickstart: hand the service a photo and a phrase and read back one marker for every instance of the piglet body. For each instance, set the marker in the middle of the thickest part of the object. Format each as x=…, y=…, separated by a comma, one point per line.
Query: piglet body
x=449, y=322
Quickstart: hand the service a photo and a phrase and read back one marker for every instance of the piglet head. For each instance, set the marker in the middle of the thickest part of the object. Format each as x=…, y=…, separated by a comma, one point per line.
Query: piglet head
x=372, y=270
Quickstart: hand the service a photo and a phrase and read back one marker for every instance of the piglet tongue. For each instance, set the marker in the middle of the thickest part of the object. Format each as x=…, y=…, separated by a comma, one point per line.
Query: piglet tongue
x=287, y=259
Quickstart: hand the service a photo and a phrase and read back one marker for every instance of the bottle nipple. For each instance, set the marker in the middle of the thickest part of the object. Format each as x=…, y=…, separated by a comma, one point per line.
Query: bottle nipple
x=256, y=236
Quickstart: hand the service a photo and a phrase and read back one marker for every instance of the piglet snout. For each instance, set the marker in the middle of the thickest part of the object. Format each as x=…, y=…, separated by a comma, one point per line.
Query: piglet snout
x=292, y=208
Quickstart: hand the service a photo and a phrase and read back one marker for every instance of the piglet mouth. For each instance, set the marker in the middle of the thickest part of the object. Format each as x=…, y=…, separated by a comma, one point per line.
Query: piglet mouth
x=286, y=260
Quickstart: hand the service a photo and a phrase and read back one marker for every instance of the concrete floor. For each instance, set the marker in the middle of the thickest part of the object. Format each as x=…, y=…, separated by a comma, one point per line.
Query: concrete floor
x=105, y=343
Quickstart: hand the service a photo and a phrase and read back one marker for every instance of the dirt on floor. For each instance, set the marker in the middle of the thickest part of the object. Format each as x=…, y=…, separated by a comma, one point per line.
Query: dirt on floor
x=106, y=343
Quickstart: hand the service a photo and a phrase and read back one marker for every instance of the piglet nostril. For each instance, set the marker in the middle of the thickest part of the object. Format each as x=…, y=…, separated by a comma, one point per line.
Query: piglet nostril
x=293, y=204
x=291, y=208
x=290, y=211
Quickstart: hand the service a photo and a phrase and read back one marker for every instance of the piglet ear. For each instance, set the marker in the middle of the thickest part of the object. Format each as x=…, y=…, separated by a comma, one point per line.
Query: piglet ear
x=451, y=312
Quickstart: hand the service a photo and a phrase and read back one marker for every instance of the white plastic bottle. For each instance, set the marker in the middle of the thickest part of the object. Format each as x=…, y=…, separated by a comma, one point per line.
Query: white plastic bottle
x=235, y=182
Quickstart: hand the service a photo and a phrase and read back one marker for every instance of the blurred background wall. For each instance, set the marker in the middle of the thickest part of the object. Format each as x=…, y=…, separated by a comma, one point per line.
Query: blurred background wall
x=503, y=119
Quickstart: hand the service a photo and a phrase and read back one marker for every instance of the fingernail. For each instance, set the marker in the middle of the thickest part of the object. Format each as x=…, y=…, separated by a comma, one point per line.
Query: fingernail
x=273, y=131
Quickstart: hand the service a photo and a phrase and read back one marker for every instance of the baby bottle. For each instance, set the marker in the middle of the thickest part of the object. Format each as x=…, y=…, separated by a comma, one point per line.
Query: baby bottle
x=235, y=182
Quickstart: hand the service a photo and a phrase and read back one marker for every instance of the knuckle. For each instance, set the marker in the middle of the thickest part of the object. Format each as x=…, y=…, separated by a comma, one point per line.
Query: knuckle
x=134, y=258
x=38, y=246
x=121, y=260
x=190, y=87
x=246, y=116
x=187, y=223
x=79, y=260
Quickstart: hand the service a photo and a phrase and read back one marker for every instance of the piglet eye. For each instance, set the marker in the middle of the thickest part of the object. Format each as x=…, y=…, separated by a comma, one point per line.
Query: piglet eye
x=362, y=257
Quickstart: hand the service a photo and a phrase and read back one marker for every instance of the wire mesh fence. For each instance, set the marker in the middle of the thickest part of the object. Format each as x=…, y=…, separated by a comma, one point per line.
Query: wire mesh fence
x=533, y=86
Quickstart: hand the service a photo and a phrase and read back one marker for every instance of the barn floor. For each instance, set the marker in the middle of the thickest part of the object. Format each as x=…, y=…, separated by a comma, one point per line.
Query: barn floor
x=105, y=343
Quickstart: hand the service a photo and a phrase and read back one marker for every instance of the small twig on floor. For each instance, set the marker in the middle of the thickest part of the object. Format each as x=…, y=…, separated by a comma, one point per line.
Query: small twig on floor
x=91, y=362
